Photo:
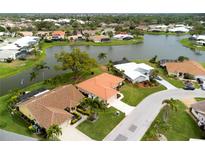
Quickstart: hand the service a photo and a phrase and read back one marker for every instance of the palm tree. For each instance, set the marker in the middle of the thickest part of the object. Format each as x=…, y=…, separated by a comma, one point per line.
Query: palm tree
x=40, y=67
x=109, y=65
x=169, y=105
x=33, y=75
x=53, y=132
x=94, y=104
x=102, y=56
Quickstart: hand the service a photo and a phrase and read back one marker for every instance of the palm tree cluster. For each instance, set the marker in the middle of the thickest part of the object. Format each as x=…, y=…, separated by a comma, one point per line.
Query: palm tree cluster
x=170, y=105
x=53, y=132
x=37, y=69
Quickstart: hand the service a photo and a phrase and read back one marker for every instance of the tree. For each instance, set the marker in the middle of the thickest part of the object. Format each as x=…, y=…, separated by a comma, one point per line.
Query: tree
x=170, y=105
x=154, y=75
x=182, y=58
x=110, y=34
x=78, y=61
x=102, y=56
x=53, y=132
x=33, y=75
x=110, y=65
x=153, y=60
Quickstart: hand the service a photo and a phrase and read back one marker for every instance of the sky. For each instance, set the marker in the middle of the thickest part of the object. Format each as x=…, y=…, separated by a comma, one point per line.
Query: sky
x=102, y=6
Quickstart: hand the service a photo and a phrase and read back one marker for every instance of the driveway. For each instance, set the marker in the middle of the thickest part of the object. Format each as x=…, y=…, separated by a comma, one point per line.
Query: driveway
x=10, y=136
x=71, y=133
x=118, y=104
x=166, y=84
x=135, y=125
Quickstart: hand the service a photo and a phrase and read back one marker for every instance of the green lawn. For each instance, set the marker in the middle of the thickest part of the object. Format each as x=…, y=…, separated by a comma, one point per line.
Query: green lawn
x=185, y=42
x=180, y=126
x=106, y=122
x=134, y=95
x=165, y=33
x=13, y=123
x=199, y=99
x=84, y=43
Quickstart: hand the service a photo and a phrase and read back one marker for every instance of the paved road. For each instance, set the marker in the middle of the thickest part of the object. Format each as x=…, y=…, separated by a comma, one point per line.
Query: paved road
x=10, y=136
x=135, y=125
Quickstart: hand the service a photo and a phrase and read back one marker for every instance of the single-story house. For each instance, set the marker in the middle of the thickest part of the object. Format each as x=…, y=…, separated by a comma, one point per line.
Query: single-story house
x=179, y=30
x=26, y=33
x=198, y=110
x=99, y=38
x=135, y=72
x=103, y=86
x=186, y=67
x=78, y=37
x=58, y=35
x=123, y=37
x=14, y=49
x=48, y=108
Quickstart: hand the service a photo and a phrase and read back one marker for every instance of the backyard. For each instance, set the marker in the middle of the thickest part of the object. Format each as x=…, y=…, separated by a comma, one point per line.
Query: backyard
x=106, y=121
x=180, y=126
x=187, y=43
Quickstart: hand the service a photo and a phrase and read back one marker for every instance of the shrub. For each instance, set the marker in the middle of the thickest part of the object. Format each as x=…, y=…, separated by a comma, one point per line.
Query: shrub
x=188, y=76
x=75, y=118
x=84, y=112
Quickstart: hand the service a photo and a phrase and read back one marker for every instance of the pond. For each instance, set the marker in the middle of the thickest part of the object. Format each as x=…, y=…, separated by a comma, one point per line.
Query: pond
x=160, y=45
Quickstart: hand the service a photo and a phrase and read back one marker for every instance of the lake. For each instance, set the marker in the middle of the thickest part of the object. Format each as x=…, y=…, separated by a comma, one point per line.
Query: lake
x=163, y=46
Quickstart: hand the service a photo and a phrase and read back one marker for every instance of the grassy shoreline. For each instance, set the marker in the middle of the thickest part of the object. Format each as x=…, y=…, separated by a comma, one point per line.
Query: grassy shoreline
x=185, y=42
x=10, y=69
x=165, y=33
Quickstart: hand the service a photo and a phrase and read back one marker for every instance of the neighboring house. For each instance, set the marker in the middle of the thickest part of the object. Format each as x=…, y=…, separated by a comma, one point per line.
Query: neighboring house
x=188, y=67
x=99, y=38
x=78, y=37
x=26, y=33
x=90, y=32
x=179, y=30
x=135, y=72
x=123, y=37
x=48, y=108
x=198, y=110
x=157, y=28
x=103, y=86
x=20, y=46
x=42, y=33
x=58, y=35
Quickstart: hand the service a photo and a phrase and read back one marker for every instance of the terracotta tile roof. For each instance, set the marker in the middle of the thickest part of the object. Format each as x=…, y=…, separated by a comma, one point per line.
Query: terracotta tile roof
x=98, y=37
x=48, y=108
x=191, y=67
x=58, y=33
x=102, y=85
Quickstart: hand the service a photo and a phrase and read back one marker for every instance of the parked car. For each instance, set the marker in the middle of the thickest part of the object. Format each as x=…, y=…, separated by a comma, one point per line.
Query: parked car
x=159, y=78
x=203, y=86
x=189, y=86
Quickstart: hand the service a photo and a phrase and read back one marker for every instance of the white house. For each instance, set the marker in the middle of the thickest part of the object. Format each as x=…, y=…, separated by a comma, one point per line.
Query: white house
x=179, y=29
x=135, y=72
x=123, y=36
x=198, y=110
x=14, y=49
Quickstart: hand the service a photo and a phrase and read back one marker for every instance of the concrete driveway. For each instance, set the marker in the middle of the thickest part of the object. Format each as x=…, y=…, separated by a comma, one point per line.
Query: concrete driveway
x=166, y=84
x=71, y=133
x=134, y=126
x=118, y=104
